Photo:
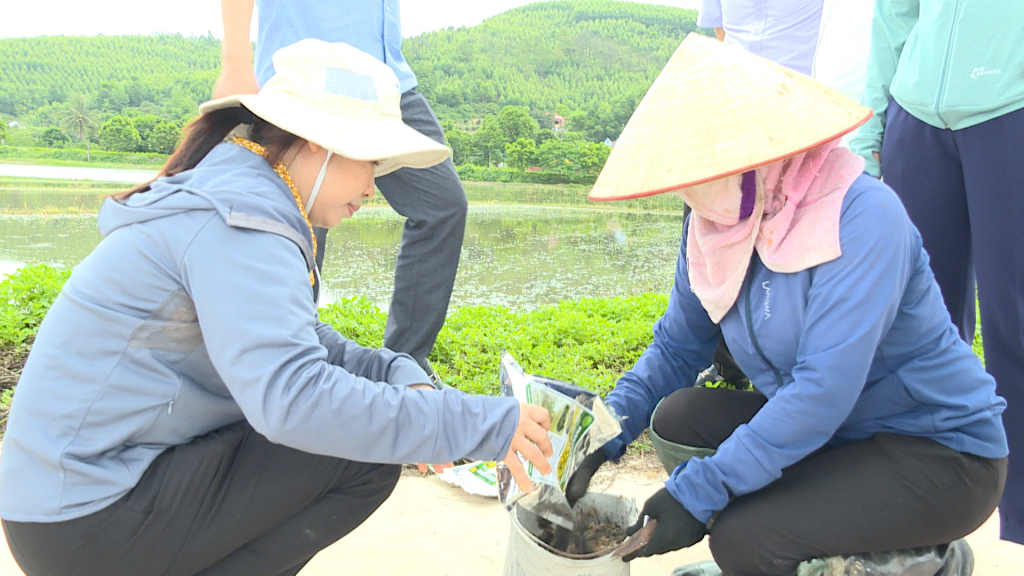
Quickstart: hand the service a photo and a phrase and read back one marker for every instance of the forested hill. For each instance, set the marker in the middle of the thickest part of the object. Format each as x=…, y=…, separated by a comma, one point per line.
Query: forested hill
x=597, y=56
x=549, y=55
x=115, y=72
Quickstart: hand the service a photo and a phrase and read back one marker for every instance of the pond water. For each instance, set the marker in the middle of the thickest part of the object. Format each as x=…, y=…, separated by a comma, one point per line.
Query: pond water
x=77, y=173
x=519, y=256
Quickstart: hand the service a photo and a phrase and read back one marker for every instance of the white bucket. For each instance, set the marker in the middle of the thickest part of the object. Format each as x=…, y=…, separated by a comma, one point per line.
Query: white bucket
x=528, y=555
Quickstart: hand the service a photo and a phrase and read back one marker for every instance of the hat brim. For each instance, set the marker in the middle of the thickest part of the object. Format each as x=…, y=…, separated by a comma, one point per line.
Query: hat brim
x=386, y=140
x=714, y=111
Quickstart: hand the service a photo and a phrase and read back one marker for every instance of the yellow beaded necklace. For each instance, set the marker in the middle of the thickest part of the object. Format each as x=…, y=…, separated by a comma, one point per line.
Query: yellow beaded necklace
x=283, y=173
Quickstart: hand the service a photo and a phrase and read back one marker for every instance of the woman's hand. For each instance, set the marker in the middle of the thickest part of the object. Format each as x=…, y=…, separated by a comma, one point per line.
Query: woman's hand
x=531, y=440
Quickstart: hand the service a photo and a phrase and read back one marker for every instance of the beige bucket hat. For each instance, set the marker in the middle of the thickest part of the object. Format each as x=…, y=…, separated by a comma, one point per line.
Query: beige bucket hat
x=716, y=110
x=343, y=99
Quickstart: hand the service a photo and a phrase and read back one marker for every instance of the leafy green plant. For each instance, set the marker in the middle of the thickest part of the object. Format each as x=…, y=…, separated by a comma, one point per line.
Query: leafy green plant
x=25, y=297
x=5, y=408
x=590, y=342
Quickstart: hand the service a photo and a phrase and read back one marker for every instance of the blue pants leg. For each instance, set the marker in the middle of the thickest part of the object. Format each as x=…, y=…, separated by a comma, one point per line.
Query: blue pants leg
x=993, y=161
x=964, y=190
x=922, y=164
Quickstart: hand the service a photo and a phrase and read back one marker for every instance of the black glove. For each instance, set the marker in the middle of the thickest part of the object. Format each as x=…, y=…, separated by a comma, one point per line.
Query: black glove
x=676, y=528
x=580, y=480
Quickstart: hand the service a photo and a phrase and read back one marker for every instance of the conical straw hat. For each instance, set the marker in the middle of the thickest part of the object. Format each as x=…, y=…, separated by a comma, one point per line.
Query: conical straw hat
x=716, y=110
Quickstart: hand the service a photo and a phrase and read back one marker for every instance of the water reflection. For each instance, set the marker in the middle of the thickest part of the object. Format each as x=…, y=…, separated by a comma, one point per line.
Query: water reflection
x=128, y=176
x=519, y=256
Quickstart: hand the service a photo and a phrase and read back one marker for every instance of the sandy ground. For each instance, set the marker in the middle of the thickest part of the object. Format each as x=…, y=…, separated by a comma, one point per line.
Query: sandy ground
x=428, y=527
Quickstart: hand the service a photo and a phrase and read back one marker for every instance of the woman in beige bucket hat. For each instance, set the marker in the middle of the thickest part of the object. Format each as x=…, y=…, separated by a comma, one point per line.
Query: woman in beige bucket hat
x=872, y=427
x=183, y=410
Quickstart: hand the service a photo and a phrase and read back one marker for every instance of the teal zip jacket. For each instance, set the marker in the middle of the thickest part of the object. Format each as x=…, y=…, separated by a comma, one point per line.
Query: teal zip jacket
x=950, y=63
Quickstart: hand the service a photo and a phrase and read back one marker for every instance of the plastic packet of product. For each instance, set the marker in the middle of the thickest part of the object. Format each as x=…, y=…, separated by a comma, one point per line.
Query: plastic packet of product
x=580, y=424
x=479, y=478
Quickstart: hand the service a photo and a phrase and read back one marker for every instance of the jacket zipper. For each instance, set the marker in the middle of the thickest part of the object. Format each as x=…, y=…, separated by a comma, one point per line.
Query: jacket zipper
x=750, y=326
x=945, y=65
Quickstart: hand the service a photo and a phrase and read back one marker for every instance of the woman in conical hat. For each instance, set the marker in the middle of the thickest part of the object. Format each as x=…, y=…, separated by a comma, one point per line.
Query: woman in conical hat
x=872, y=426
x=183, y=409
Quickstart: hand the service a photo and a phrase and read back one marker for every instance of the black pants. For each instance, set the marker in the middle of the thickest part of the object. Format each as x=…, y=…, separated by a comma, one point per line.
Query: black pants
x=889, y=492
x=227, y=503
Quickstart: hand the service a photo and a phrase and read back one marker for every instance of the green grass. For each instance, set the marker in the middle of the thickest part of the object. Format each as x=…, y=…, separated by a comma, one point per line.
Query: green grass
x=589, y=342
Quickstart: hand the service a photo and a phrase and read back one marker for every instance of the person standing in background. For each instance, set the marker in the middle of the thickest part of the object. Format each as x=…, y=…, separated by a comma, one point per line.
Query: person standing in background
x=946, y=83
x=783, y=31
x=432, y=199
x=825, y=39
x=844, y=41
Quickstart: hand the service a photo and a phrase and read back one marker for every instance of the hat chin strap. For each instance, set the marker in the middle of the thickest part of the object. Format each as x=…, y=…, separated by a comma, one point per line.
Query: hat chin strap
x=319, y=181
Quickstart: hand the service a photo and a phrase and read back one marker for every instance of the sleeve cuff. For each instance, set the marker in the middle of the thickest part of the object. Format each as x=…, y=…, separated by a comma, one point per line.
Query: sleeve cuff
x=702, y=515
x=616, y=447
x=404, y=371
x=872, y=167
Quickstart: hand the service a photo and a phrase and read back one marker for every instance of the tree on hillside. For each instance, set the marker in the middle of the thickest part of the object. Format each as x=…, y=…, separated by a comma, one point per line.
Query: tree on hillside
x=521, y=153
x=80, y=119
x=157, y=134
x=53, y=137
x=163, y=138
x=572, y=157
x=461, y=144
x=543, y=135
x=145, y=124
x=119, y=135
x=489, y=140
x=3, y=131
x=515, y=122
x=591, y=157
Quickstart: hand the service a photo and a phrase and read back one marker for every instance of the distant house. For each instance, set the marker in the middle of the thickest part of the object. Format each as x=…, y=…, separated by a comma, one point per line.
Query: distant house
x=14, y=124
x=609, y=142
x=558, y=122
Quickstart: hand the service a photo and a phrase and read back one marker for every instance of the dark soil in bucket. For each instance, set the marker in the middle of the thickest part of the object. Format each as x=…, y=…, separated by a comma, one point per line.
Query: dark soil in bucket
x=591, y=535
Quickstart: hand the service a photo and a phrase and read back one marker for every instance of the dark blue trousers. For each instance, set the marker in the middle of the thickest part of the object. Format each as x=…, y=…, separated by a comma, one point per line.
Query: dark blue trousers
x=964, y=190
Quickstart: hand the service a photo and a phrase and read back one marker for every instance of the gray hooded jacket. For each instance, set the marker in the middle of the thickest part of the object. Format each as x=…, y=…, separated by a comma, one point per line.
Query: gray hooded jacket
x=196, y=311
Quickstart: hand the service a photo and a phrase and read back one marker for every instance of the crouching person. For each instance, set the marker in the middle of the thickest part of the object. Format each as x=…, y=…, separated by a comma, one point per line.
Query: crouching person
x=874, y=441
x=183, y=410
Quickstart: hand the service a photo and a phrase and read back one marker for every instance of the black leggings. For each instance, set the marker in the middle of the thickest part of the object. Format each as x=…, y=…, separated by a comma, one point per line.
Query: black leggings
x=889, y=492
x=227, y=503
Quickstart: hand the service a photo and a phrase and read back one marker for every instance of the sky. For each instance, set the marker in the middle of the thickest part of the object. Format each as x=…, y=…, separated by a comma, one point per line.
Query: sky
x=20, y=18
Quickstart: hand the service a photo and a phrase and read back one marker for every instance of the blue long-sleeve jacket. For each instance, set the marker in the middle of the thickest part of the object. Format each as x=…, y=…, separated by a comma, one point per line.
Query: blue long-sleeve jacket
x=196, y=311
x=845, y=350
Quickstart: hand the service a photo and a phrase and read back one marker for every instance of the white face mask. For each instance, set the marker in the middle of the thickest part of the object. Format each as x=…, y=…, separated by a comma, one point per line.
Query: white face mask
x=319, y=181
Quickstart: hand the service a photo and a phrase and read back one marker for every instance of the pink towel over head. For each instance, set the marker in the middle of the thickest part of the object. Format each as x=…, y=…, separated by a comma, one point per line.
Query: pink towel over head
x=794, y=224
